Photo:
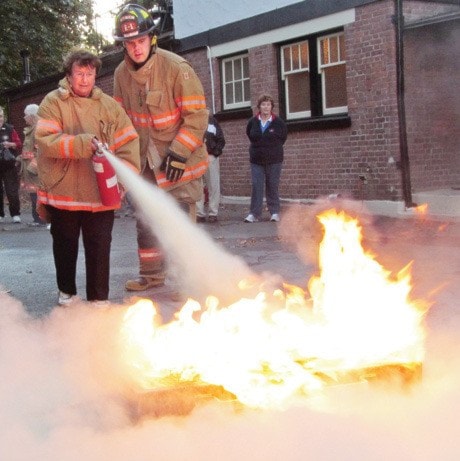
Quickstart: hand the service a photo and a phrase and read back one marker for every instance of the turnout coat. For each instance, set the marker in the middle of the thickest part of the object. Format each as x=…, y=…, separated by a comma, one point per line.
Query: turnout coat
x=165, y=102
x=67, y=124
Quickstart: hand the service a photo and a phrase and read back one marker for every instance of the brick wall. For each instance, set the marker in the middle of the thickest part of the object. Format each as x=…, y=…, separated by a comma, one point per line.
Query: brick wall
x=324, y=161
x=321, y=162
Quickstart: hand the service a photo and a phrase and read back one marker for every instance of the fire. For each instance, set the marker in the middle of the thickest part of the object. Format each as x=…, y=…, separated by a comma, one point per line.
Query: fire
x=284, y=345
x=422, y=209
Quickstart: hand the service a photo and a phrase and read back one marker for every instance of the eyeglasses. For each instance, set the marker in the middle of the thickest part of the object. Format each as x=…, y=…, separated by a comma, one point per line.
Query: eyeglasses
x=84, y=75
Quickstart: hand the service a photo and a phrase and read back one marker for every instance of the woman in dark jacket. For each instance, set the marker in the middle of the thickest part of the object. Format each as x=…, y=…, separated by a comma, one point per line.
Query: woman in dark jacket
x=267, y=134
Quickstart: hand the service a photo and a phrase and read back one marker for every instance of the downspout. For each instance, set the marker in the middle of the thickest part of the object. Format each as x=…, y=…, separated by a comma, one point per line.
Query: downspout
x=403, y=148
x=211, y=72
x=25, y=54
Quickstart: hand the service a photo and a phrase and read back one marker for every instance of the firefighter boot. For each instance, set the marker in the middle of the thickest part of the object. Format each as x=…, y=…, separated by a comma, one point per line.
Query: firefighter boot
x=144, y=283
x=151, y=270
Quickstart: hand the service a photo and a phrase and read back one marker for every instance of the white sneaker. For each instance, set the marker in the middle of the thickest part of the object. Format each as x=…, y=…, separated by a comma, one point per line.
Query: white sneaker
x=65, y=299
x=100, y=303
x=250, y=218
x=48, y=226
x=275, y=217
x=17, y=219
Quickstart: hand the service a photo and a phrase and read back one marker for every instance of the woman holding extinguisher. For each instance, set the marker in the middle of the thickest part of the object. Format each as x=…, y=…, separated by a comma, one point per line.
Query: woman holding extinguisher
x=73, y=121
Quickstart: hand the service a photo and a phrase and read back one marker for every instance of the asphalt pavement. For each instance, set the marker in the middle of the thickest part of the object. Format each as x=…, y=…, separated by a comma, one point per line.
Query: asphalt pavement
x=27, y=267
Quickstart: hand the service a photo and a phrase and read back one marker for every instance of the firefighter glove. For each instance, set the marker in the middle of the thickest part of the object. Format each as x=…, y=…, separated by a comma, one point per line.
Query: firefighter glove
x=174, y=166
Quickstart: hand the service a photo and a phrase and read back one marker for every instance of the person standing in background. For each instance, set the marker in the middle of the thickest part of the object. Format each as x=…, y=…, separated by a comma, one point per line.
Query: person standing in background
x=215, y=142
x=10, y=146
x=28, y=158
x=73, y=120
x=165, y=100
x=267, y=134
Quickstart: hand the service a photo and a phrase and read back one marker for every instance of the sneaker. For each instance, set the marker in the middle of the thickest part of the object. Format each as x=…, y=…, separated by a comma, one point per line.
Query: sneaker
x=250, y=218
x=275, y=217
x=65, y=299
x=144, y=283
x=212, y=218
x=48, y=226
x=16, y=219
x=100, y=303
x=200, y=219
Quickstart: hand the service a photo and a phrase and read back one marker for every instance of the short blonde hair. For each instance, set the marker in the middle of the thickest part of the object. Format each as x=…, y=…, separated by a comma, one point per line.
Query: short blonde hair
x=31, y=109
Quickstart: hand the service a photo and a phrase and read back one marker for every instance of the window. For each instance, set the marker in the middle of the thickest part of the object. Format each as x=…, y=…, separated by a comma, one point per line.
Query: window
x=313, y=74
x=332, y=70
x=235, y=82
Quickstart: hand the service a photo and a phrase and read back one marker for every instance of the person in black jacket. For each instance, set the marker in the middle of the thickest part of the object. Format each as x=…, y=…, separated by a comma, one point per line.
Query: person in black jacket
x=215, y=142
x=10, y=147
x=267, y=134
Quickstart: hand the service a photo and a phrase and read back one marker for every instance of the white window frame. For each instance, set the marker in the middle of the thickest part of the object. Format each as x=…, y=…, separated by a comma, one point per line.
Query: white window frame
x=230, y=80
x=285, y=77
x=321, y=66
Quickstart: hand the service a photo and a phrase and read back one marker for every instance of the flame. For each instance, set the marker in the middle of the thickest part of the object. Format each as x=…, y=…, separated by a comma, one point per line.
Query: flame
x=283, y=345
x=422, y=209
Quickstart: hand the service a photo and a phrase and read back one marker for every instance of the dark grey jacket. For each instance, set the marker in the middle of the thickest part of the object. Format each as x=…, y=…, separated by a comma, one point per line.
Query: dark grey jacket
x=266, y=147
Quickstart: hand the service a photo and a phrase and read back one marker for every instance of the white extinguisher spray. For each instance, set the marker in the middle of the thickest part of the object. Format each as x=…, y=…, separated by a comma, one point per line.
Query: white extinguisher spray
x=106, y=177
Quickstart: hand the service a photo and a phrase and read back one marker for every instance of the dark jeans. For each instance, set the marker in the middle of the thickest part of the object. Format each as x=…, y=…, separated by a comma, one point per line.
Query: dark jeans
x=268, y=177
x=96, y=229
x=10, y=181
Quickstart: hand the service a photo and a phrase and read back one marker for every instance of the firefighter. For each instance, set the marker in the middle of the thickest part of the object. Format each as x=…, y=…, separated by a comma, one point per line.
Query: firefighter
x=165, y=100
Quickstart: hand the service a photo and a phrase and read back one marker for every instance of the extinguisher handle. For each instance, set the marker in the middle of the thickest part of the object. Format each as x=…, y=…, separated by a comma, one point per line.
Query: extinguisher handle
x=99, y=146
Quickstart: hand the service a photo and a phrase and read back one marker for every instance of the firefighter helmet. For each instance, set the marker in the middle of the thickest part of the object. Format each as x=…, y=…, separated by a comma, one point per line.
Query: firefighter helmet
x=133, y=21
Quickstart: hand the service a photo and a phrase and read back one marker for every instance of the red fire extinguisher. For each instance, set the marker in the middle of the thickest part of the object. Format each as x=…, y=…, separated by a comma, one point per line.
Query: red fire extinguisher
x=106, y=177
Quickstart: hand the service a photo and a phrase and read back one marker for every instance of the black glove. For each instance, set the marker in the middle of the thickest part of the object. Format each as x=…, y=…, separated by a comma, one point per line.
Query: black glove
x=174, y=166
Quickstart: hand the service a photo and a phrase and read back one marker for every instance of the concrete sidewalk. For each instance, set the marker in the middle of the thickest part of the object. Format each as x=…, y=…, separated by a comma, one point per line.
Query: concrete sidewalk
x=27, y=267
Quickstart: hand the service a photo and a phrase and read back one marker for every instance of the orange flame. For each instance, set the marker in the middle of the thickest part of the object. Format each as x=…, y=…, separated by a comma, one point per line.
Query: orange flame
x=278, y=346
x=422, y=209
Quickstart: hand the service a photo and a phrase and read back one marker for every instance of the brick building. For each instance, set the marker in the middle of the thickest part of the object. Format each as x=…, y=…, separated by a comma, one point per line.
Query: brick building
x=346, y=76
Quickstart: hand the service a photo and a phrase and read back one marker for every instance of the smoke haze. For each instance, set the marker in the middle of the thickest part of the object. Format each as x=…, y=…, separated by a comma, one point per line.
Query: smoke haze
x=64, y=397
x=62, y=400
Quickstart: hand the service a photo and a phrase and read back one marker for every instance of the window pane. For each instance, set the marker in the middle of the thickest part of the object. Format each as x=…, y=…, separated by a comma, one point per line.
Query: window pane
x=238, y=92
x=342, y=47
x=247, y=92
x=336, y=90
x=246, y=67
x=228, y=71
x=298, y=89
x=295, y=57
x=334, y=49
x=324, y=51
x=238, y=70
x=304, y=60
x=229, y=93
x=287, y=59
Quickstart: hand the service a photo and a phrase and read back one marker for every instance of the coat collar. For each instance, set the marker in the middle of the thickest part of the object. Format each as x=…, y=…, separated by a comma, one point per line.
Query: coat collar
x=142, y=74
x=65, y=91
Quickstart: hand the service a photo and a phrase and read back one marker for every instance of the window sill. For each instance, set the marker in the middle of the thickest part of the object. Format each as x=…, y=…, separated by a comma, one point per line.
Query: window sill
x=319, y=123
x=234, y=114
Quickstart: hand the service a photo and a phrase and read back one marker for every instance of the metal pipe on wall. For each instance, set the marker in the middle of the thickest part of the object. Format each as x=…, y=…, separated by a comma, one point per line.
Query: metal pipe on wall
x=404, y=151
x=211, y=71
